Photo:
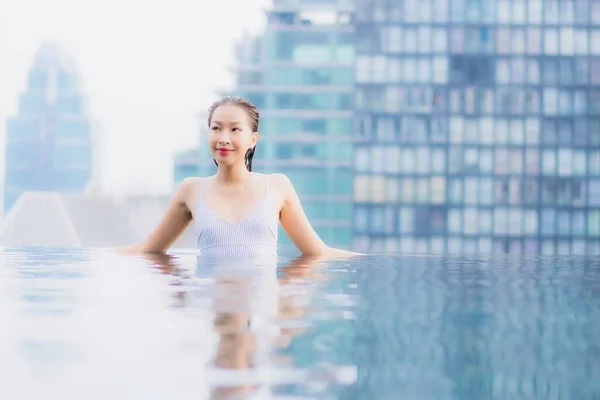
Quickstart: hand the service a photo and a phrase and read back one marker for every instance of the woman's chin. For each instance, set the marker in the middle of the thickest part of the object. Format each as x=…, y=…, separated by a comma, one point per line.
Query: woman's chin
x=227, y=161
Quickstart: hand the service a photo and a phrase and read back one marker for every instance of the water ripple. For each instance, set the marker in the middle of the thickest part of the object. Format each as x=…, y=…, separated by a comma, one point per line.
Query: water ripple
x=83, y=323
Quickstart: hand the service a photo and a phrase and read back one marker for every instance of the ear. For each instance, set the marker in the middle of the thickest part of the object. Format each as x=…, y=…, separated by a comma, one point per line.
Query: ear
x=254, y=138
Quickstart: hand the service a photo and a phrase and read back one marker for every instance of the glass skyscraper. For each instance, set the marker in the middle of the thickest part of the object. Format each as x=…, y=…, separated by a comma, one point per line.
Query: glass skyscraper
x=195, y=162
x=477, y=126
x=300, y=74
x=185, y=165
x=49, y=141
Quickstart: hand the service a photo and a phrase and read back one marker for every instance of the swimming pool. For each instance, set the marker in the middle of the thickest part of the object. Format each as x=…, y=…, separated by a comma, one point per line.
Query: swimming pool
x=92, y=324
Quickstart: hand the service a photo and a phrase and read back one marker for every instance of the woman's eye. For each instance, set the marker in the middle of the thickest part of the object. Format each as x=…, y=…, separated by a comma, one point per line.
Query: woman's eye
x=236, y=129
x=214, y=128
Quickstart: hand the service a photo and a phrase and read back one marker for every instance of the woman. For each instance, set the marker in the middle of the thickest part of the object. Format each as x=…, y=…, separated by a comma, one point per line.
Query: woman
x=236, y=211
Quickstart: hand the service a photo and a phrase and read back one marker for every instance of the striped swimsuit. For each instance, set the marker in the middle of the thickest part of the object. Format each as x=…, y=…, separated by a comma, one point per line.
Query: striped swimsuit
x=245, y=252
x=252, y=237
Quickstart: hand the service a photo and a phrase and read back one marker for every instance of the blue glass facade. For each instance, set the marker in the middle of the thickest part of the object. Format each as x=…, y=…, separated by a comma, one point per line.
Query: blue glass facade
x=300, y=73
x=477, y=126
x=185, y=165
x=48, y=142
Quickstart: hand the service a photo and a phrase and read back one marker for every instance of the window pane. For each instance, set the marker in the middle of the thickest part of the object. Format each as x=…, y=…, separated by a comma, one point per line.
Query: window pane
x=440, y=40
x=534, y=11
x=549, y=162
x=501, y=161
x=485, y=222
x=532, y=131
x=550, y=41
x=567, y=47
x=548, y=222
x=581, y=41
x=503, y=42
x=362, y=159
x=532, y=162
x=424, y=34
x=551, y=12
x=516, y=162
x=500, y=221
x=486, y=191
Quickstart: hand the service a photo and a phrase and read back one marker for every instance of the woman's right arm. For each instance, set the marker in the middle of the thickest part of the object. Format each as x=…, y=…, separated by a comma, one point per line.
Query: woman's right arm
x=172, y=224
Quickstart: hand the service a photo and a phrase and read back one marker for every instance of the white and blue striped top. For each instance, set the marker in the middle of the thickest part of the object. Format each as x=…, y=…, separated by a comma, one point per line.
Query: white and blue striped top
x=252, y=237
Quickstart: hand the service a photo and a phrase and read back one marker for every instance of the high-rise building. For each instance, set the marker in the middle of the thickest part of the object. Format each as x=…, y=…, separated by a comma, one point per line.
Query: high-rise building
x=477, y=126
x=1, y=200
x=198, y=161
x=49, y=142
x=300, y=74
x=206, y=164
x=185, y=165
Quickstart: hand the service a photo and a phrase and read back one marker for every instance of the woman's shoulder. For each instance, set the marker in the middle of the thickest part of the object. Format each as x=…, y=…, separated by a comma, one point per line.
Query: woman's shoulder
x=190, y=187
x=281, y=182
x=191, y=182
x=278, y=179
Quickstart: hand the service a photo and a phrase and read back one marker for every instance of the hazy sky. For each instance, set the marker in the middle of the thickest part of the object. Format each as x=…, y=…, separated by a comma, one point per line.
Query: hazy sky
x=147, y=66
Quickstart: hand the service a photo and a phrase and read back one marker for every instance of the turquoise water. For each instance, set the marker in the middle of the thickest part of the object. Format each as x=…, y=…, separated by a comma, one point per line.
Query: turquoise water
x=95, y=325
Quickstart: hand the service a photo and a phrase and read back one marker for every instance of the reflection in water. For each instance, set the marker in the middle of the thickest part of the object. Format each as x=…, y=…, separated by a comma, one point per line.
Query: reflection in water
x=478, y=327
x=257, y=311
x=41, y=283
x=92, y=325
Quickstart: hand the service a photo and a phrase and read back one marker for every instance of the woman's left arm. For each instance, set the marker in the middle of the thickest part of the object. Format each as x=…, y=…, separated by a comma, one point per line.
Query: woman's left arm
x=296, y=224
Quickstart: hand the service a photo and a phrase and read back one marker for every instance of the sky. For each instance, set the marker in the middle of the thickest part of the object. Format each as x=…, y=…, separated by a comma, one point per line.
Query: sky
x=148, y=67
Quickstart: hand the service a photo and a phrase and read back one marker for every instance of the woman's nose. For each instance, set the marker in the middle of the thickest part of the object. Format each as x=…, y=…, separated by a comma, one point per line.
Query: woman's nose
x=224, y=138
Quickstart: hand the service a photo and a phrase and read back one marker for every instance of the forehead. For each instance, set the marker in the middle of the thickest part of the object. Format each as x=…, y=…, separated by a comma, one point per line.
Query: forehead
x=229, y=113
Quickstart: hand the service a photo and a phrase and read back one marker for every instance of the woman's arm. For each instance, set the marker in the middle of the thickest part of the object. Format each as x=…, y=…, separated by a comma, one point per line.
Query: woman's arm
x=296, y=224
x=174, y=221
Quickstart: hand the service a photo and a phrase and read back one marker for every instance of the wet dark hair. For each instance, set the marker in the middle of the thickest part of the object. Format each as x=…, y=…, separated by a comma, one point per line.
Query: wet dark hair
x=252, y=112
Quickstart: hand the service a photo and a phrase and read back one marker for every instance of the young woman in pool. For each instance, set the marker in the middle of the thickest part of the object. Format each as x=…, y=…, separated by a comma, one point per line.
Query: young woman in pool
x=236, y=211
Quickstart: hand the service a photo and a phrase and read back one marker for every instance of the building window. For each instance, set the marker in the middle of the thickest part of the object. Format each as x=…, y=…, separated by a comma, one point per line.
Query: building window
x=530, y=222
x=501, y=221
x=406, y=218
x=362, y=188
x=486, y=191
x=534, y=12
x=440, y=10
x=392, y=191
x=361, y=219
x=439, y=40
x=408, y=190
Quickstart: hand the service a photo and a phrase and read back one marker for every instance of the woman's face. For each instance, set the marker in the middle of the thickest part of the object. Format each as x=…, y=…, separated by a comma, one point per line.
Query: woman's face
x=231, y=135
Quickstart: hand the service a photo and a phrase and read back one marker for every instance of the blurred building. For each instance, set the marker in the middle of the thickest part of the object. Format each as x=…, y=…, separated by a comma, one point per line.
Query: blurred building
x=1, y=200
x=52, y=219
x=49, y=142
x=477, y=126
x=198, y=161
x=206, y=165
x=300, y=74
x=185, y=165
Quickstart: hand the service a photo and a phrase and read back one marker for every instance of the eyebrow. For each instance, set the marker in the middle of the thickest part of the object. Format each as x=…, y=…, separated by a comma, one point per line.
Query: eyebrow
x=233, y=123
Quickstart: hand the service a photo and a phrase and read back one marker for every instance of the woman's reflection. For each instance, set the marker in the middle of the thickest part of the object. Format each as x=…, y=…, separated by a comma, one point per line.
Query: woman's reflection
x=168, y=265
x=249, y=309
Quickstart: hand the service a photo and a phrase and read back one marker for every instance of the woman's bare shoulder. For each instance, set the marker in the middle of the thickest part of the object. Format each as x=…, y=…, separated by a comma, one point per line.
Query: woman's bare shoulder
x=189, y=189
x=191, y=182
x=283, y=186
x=280, y=180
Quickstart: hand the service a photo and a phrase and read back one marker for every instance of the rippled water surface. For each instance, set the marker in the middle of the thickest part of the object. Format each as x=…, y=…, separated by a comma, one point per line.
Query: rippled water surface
x=95, y=325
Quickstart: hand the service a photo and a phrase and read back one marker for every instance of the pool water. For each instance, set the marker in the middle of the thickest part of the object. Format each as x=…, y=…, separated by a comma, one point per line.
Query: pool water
x=93, y=324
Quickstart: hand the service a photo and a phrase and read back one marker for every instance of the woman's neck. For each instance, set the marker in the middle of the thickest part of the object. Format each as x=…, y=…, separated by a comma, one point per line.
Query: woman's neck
x=233, y=175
